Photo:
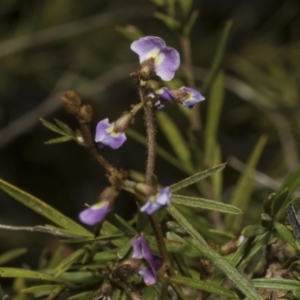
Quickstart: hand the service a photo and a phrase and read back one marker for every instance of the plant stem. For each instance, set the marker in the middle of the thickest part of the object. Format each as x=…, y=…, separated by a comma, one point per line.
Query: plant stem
x=150, y=127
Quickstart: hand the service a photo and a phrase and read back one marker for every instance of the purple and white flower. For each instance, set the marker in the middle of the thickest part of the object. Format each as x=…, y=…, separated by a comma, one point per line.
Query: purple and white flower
x=142, y=250
x=166, y=59
x=193, y=97
x=95, y=213
x=158, y=201
x=107, y=136
x=164, y=93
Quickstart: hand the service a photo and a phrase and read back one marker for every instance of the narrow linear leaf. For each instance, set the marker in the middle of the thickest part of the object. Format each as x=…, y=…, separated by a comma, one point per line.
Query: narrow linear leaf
x=64, y=127
x=71, y=259
x=280, y=204
x=98, y=238
x=22, y=273
x=58, y=140
x=205, y=204
x=204, y=286
x=41, y=288
x=243, y=189
x=12, y=254
x=175, y=138
x=81, y=296
x=52, y=127
x=43, y=209
x=213, y=117
x=231, y=272
x=276, y=283
x=195, y=178
x=213, y=70
x=287, y=235
x=292, y=182
x=121, y=224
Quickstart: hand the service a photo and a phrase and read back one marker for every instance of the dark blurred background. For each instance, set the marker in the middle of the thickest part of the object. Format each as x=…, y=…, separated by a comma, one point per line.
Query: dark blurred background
x=48, y=47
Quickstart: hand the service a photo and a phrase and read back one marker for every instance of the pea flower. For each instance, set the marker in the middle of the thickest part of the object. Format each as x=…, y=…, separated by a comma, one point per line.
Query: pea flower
x=156, y=57
x=95, y=213
x=142, y=250
x=106, y=135
x=185, y=95
x=158, y=201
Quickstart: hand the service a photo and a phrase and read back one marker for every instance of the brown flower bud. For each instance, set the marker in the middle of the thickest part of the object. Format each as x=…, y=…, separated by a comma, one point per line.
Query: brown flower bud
x=147, y=69
x=153, y=85
x=86, y=113
x=72, y=102
x=179, y=95
x=109, y=194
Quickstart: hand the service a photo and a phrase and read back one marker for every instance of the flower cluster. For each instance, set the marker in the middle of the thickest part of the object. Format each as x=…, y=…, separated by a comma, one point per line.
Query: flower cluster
x=157, y=61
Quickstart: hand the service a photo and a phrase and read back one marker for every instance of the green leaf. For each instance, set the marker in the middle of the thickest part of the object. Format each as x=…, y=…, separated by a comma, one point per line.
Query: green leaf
x=70, y=260
x=12, y=254
x=64, y=127
x=98, y=238
x=243, y=189
x=253, y=230
x=213, y=116
x=287, y=235
x=205, y=204
x=238, y=279
x=185, y=6
x=52, y=127
x=168, y=20
x=204, y=286
x=105, y=256
x=24, y=273
x=175, y=138
x=81, y=296
x=58, y=140
x=191, y=22
x=43, y=209
x=213, y=70
x=293, y=219
x=195, y=178
x=276, y=283
x=292, y=182
x=280, y=204
x=43, y=290
x=121, y=224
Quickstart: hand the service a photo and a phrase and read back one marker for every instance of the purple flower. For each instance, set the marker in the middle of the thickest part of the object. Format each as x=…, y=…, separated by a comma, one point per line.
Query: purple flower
x=192, y=97
x=165, y=94
x=142, y=250
x=107, y=136
x=166, y=59
x=95, y=213
x=158, y=201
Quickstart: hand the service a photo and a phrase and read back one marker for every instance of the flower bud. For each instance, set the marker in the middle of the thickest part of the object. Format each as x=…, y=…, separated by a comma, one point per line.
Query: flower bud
x=86, y=113
x=105, y=291
x=72, y=102
x=145, y=189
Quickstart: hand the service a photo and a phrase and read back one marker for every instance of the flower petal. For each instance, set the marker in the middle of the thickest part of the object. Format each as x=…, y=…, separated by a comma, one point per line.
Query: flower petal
x=94, y=214
x=164, y=93
x=166, y=63
x=161, y=200
x=194, y=97
x=148, y=276
x=147, y=47
x=105, y=135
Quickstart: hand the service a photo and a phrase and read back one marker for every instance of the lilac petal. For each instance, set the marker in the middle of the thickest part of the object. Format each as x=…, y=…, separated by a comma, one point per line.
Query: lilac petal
x=166, y=63
x=194, y=97
x=162, y=200
x=165, y=94
x=94, y=214
x=105, y=136
x=148, y=276
x=147, y=47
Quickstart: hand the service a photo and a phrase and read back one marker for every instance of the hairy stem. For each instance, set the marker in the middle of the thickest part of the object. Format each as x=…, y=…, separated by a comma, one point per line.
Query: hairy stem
x=150, y=127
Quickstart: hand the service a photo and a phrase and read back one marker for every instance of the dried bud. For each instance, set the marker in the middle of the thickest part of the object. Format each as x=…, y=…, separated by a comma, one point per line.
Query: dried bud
x=232, y=245
x=72, y=102
x=145, y=189
x=147, y=68
x=86, y=113
x=134, y=296
x=127, y=268
x=123, y=122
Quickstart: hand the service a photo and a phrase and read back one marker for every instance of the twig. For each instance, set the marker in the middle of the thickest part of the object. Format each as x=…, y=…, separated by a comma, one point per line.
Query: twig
x=39, y=228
